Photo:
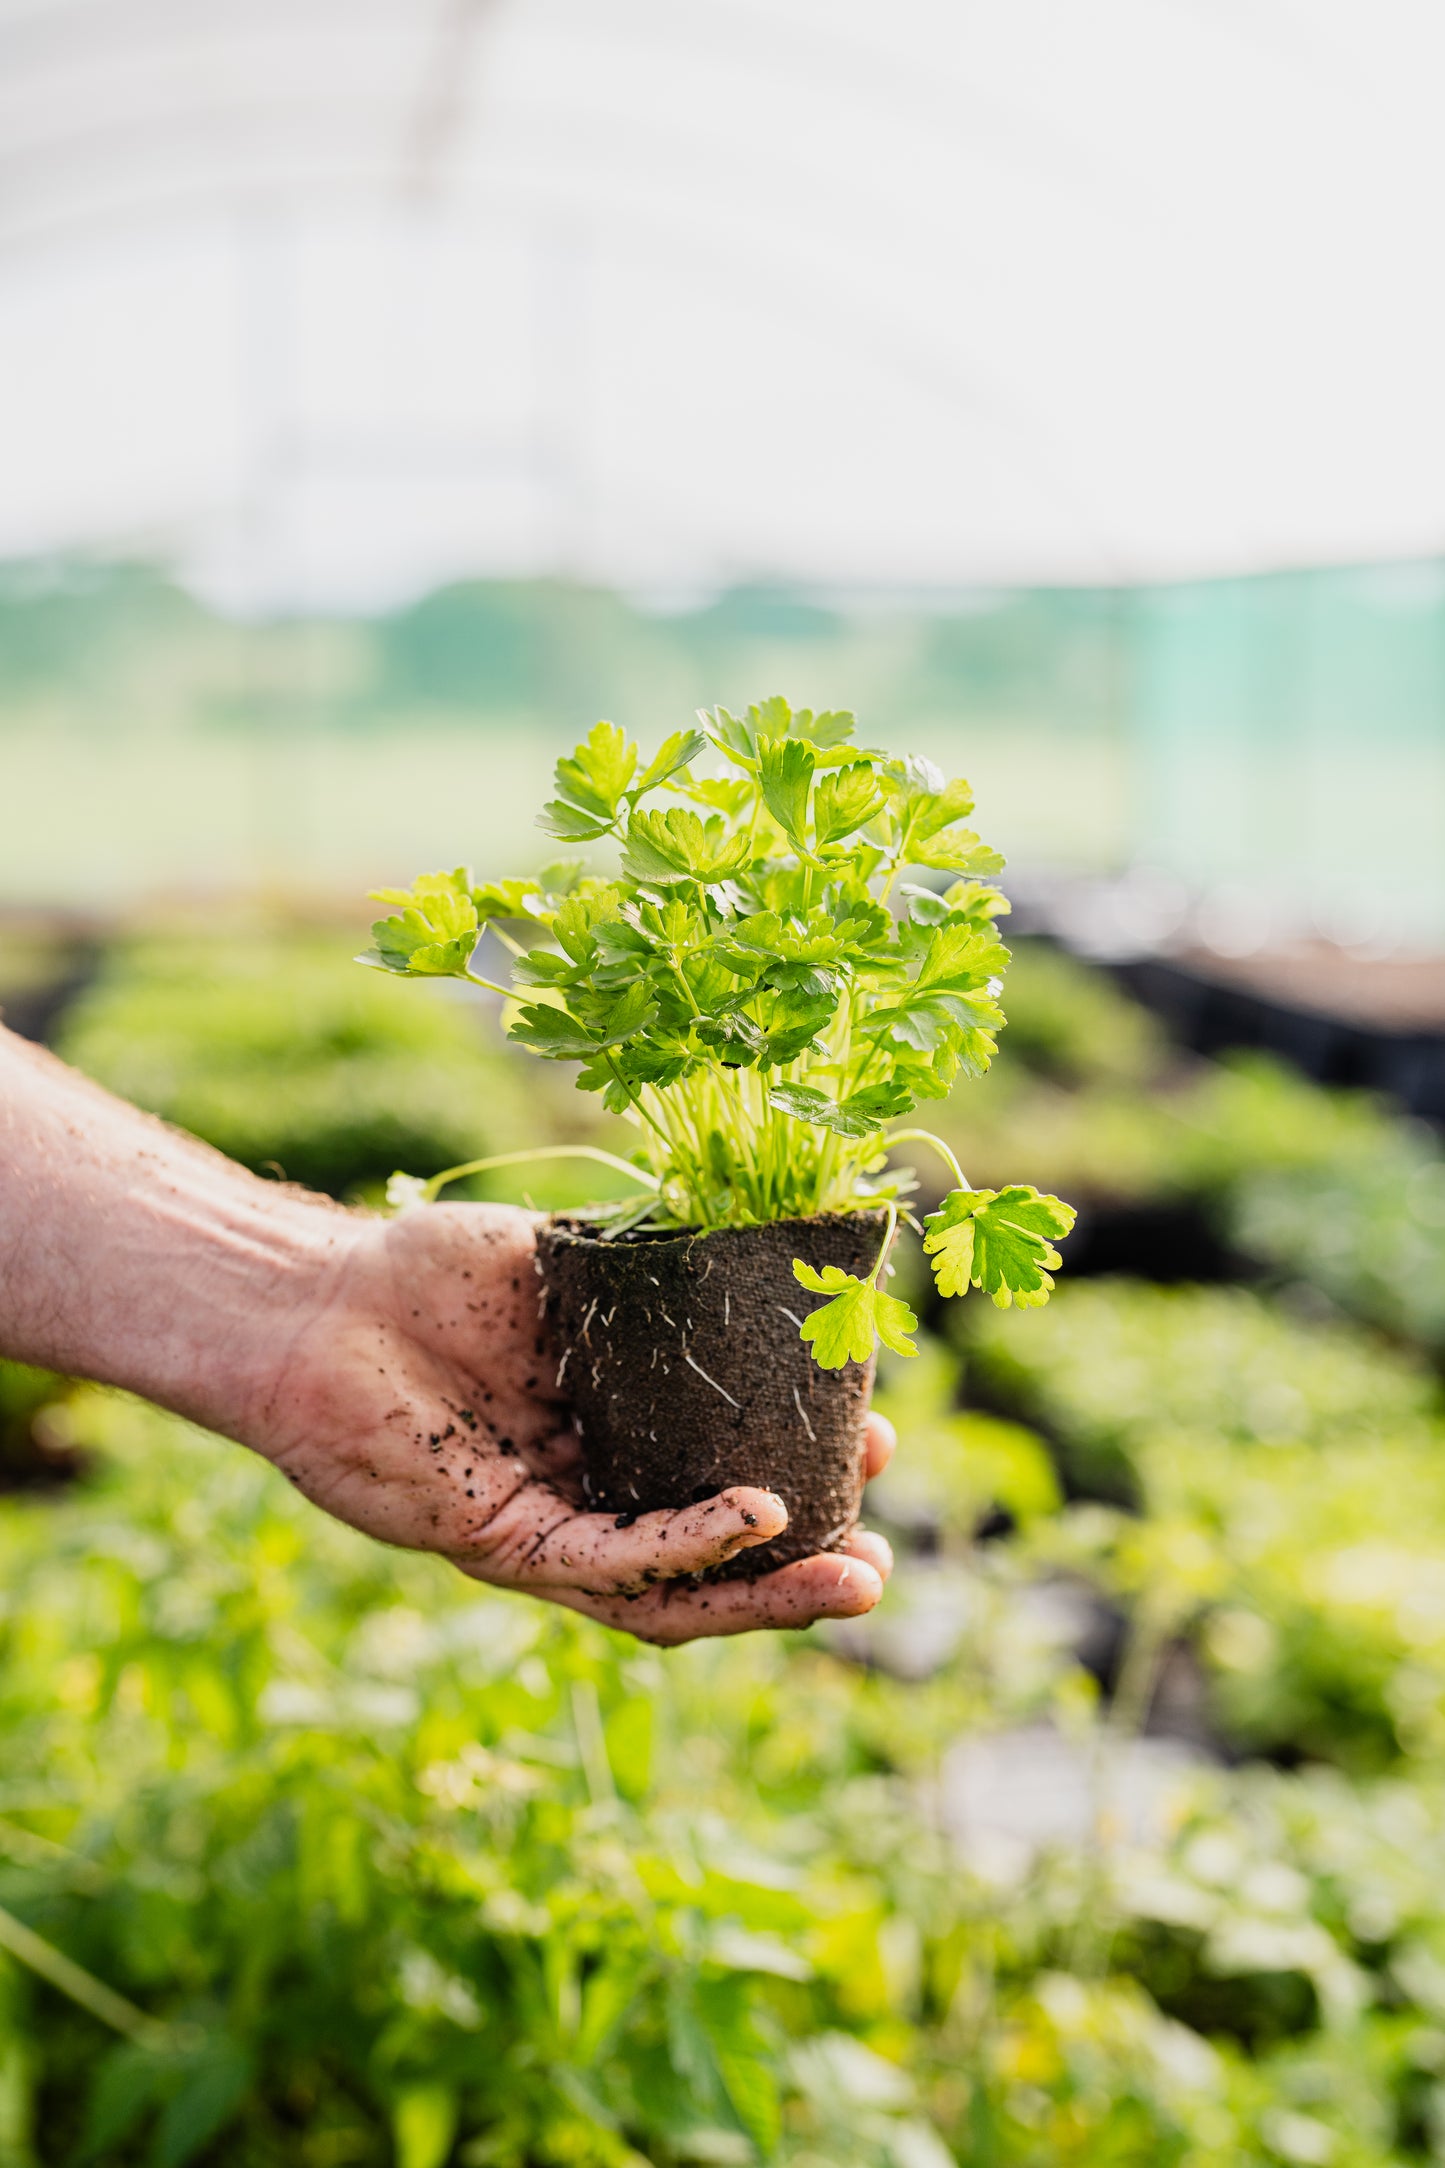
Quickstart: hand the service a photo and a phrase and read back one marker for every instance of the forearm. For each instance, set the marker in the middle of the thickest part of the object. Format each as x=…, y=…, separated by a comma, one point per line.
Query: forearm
x=131, y=1255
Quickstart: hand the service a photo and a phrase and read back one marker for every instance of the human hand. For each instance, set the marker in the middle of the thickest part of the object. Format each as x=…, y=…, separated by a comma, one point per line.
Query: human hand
x=415, y=1400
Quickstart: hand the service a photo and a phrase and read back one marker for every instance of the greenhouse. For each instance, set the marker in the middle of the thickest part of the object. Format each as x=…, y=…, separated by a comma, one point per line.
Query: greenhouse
x=715, y=1449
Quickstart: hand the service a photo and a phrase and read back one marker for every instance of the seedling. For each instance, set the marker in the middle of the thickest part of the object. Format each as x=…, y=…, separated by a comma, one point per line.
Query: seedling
x=762, y=990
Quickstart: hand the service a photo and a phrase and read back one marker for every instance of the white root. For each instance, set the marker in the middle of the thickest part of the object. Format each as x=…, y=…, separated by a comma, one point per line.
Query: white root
x=710, y=1381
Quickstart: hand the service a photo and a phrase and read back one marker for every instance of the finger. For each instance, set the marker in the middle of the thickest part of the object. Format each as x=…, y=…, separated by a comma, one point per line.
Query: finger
x=828, y=1585
x=879, y=1441
x=875, y=1550
x=537, y=1541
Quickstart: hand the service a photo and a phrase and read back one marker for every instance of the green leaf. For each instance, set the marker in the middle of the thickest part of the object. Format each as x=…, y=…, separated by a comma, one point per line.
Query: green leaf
x=677, y=846
x=737, y=1039
x=597, y=773
x=424, y=2124
x=544, y=967
x=998, y=1240
x=771, y=718
x=847, y=798
x=856, y=1116
x=553, y=1033
x=958, y=850
x=960, y=958
x=976, y=902
x=570, y=824
x=560, y=876
x=932, y=836
x=740, y=2058
x=724, y=794
x=434, y=933
x=129, y=2081
x=674, y=753
x=941, y=808
x=218, y=2077
x=785, y=777
x=796, y=1033
x=730, y=734
x=831, y=728
x=847, y=1328
x=506, y=899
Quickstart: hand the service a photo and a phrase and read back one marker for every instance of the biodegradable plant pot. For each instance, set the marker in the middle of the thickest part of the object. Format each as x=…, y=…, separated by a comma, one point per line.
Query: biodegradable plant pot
x=681, y=1354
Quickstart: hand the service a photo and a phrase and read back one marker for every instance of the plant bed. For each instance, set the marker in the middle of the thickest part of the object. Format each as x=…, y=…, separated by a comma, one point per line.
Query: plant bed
x=669, y=1346
x=37, y=1452
x=762, y=993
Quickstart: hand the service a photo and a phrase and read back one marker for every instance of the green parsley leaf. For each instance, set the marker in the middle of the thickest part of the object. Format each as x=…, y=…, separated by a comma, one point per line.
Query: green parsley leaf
x=674, y=753
x=941, y=807
x=847, y=800
x=785, y=775
x=998, y=1240
x=677, y=846
x=960, y=958
x=434, y=933
x=857, y=1116
x=570, y=824
x=598, y=771
x=859, y=1315
x=825, y=731
x=731, y=735
x=508, y=899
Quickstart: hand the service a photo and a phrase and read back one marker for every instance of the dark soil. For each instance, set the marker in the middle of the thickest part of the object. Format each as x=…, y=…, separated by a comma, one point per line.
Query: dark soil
x=682, y=1357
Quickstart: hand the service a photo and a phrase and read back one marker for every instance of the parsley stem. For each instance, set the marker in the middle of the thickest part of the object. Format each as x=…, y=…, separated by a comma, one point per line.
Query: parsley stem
x=635, y=1095
x=876, y=1275
x=926, y=1136
x=474, y=978
x=439, y=1182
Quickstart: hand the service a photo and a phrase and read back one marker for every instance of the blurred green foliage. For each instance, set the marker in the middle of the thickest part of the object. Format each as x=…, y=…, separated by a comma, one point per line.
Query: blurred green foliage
x=1071, y=1024
x=278, y=1053
x=360, y=1865
x=1369, y=1231
x=387, y=1870
x=36, y=1438
x=1288, y=1486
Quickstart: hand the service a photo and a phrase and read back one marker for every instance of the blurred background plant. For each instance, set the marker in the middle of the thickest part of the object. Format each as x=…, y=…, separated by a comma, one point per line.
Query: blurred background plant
x=1115, y=1834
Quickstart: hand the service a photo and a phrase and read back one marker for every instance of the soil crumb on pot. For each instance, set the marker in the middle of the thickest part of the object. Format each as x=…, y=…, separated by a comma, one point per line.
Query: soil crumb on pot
x=681, y=1354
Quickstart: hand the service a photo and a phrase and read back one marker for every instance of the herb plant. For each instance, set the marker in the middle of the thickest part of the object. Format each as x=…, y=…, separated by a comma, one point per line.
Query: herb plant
x=760, y=990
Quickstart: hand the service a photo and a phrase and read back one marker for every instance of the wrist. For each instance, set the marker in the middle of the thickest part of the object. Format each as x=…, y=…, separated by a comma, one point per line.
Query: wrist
x=251, y=1274
x=131, y=1254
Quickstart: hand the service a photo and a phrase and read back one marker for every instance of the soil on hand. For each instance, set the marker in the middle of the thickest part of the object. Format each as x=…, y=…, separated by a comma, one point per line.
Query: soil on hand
x=682, y=1357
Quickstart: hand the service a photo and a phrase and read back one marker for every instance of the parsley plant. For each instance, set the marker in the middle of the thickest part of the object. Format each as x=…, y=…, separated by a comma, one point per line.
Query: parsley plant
x=760, y=990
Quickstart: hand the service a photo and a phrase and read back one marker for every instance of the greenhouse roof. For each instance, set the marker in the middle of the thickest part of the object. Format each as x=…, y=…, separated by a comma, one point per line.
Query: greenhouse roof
x=935, y=294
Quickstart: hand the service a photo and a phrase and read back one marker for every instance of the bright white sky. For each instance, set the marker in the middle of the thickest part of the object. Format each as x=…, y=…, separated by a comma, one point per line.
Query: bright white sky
x=328, y=299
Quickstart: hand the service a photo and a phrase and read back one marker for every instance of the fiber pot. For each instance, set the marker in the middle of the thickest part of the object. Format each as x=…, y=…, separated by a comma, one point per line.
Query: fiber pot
x=681, y=1354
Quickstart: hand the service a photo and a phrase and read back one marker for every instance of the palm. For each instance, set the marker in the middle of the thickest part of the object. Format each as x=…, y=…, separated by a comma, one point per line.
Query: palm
x=419, y=1404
